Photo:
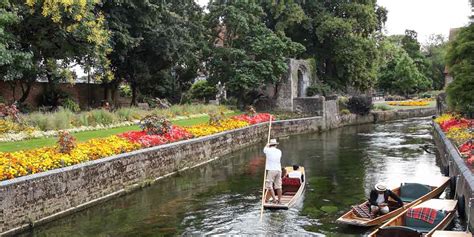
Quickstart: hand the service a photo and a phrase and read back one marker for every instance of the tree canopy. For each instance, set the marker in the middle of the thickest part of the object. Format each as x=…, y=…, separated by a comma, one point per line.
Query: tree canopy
x=245, y=54
x=460, y=61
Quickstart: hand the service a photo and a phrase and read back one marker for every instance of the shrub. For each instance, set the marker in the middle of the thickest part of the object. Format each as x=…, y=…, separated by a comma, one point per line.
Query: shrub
x=155, y=125
x=70, y=104
x=125, y=90
x=131, y=113
x=360, y=105
x=62, y=119
x=342, y=102
x=102, y=116
x=66, y=142
x=345, y=111
x=215, y=118
x=318, y=89
x=202, y=90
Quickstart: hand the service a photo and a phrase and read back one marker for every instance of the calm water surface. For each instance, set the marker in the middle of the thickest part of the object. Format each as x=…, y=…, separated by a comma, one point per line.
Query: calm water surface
x=223, y=197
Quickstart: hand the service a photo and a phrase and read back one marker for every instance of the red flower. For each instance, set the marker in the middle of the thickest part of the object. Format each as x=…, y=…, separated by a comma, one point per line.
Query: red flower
x=174, y=134
x=259, y=118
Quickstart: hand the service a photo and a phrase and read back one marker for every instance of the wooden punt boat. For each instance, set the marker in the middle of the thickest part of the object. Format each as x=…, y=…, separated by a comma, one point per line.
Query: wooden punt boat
x=404, y=225
x=292, y=190
x=410, y=193
x=443, y=233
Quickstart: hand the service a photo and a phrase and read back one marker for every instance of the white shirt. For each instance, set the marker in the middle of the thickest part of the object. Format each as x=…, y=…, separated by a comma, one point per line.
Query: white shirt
x=273, y=155
x=295, y=174
x=380, y=199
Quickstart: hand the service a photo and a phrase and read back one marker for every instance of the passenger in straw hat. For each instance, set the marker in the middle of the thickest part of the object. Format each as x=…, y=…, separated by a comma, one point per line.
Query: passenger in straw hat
x=273, y=169
x=379, y=199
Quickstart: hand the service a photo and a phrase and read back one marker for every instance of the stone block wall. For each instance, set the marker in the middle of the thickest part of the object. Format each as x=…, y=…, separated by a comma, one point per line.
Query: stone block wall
x=454, y=166
x=309, y=105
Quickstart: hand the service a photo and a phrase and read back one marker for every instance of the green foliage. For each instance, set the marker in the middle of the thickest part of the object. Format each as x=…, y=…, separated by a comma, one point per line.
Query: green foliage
x=202, y=90
x=156, y=45
x=70, y=104
x=342, y=102
x=460, y=60
x=318, y=89
x=340, y=34
x=101, y=116
x=252, y=54
x=360, y=105
x=435, y=54
x=125, y=90
x=399, y=72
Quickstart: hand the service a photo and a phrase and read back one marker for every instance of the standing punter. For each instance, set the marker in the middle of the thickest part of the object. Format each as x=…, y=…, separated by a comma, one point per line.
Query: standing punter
x=273, y=169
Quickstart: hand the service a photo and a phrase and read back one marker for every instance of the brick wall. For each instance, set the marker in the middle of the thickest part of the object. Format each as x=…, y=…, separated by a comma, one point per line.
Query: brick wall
x=79, y=92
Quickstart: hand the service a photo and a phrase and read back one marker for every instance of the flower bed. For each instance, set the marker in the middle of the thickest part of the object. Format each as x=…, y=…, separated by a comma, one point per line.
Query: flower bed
x=460, y=131
x=259, y=118
x=208, y=129
x=16, y=164
x=423, y=102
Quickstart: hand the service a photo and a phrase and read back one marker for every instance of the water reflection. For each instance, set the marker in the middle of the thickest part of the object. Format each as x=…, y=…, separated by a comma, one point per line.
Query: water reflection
x=223, y=197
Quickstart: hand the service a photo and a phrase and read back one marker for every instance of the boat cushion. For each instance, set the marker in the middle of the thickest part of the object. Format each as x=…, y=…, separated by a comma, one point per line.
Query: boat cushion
x=362, y=211
x=291, y=181
x=409, y=192
x=423, y=226
x=397, y=231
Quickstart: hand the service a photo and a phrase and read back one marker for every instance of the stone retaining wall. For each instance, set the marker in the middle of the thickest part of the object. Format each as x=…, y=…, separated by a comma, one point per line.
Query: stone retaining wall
x=454, y=166
x=38, y=198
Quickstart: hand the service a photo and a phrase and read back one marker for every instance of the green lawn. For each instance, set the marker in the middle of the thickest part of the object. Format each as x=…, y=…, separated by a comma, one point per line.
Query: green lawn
x=432, y=104
x=84, y=136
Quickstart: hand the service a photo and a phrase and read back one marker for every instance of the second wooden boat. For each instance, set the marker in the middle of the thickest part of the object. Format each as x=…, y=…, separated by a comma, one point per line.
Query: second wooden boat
x=414, y=221
x=292, y=190
x=410, y=193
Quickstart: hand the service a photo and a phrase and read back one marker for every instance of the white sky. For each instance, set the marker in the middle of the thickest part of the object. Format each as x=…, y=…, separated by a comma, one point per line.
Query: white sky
x=426, y=17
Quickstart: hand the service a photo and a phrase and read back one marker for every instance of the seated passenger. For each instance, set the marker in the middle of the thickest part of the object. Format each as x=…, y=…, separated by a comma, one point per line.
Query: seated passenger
x=296, y=173
x=379, y=199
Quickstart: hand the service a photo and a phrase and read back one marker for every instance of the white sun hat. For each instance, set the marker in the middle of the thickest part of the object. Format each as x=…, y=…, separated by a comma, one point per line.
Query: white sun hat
x=273, y=142
x=381, y=187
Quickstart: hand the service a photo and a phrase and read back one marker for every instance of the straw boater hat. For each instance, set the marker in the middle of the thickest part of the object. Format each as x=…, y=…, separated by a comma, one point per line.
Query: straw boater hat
x=273, y=142
x=381, y=187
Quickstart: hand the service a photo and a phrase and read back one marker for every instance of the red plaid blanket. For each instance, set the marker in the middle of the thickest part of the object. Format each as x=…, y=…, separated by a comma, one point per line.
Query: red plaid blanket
x=423, y=213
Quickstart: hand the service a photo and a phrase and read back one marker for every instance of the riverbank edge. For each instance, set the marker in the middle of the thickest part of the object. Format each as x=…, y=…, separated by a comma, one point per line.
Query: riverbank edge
x=39, y=198
x=454, y=166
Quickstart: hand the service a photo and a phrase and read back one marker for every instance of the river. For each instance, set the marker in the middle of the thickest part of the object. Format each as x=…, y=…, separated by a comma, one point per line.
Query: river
x=223, y=197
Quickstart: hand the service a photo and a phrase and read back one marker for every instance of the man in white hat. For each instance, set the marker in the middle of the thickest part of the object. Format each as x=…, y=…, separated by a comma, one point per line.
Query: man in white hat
x=379, y=199
x=273, y=169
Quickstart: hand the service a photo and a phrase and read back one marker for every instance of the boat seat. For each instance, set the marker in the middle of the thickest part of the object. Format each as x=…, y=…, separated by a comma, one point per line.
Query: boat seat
x=398, y=231
x=290, y=184
x=409, y=192
x=422, y=226
x=291, y=181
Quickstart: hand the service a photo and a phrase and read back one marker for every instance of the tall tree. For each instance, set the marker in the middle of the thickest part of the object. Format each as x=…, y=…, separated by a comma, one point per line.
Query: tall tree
x=57, y=33
x=154, y=42
x=460, y=62
x=340, y=35
x=14, y=61
x=434, y=52
x=245, y=53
